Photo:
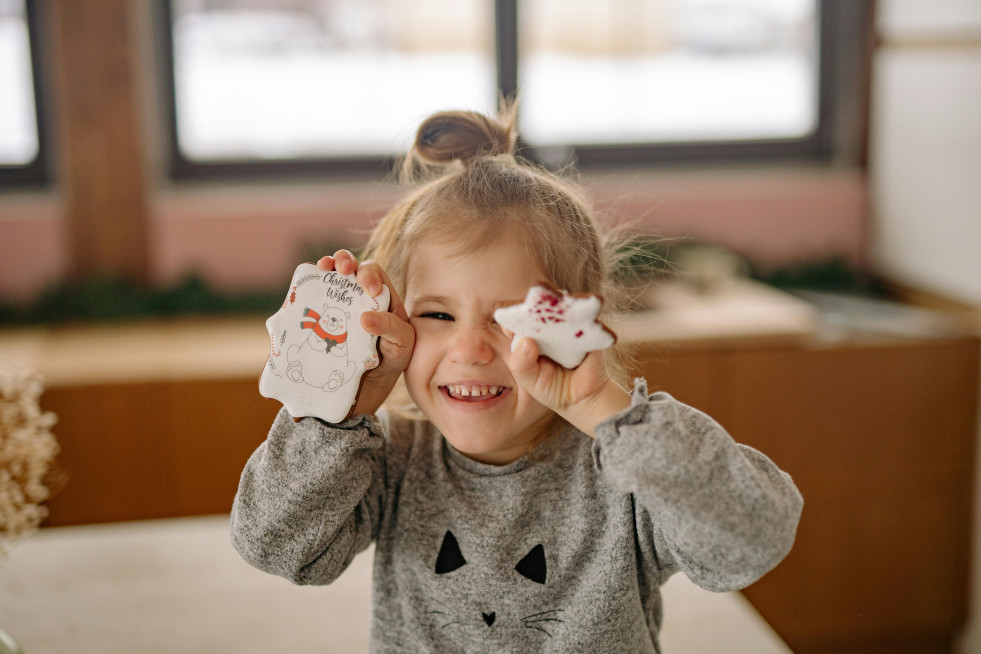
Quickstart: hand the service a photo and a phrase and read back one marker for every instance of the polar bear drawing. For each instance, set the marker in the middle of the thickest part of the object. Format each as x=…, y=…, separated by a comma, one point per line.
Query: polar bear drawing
x=321, y=360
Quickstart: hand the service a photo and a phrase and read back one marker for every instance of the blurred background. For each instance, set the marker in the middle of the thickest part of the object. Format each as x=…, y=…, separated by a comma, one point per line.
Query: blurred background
x=800, y=179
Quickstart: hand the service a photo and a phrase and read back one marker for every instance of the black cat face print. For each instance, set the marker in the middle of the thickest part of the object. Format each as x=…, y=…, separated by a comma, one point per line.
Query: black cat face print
x=532, y=567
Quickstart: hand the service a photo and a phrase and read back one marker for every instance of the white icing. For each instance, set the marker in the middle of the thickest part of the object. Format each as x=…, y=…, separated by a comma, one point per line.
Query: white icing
x=564, y=327
x=318, y=350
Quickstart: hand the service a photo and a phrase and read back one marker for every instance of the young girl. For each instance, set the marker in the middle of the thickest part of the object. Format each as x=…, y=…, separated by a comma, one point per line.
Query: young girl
x=514, y=505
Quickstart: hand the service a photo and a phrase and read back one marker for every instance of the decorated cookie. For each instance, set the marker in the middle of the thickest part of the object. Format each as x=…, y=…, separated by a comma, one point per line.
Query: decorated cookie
x=564, y=326
x=318, y=351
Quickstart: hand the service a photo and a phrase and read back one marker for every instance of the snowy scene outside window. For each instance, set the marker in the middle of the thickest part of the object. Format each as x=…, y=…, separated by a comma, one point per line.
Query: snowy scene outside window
x=656, y=71
x=286, y=79
x=18, y=122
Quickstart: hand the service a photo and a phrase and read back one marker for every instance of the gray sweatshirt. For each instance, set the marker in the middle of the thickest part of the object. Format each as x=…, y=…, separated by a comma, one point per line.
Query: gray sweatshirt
x=563, y=550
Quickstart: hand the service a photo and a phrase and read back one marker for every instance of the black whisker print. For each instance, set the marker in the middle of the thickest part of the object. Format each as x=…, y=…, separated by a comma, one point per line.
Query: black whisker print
x=454, y=619
x=535, y=619
x=443, y=604
x=535, y=615
x=528, y=626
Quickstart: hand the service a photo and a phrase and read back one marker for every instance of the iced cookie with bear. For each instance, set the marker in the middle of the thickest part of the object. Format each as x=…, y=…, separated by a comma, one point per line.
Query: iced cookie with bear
x=564, y=326
x=318, y=351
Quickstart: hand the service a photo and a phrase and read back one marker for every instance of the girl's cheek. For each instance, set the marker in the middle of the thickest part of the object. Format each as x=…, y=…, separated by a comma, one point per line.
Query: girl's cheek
x=502, y=340
x=424, y=328
x=430, y=336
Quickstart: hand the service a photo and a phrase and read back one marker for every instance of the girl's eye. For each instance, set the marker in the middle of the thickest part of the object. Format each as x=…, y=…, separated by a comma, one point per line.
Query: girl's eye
x=437, y=315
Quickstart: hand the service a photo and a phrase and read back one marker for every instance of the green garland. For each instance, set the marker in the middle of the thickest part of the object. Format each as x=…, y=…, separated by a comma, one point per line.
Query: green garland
x=105, y=299
x=832, y=275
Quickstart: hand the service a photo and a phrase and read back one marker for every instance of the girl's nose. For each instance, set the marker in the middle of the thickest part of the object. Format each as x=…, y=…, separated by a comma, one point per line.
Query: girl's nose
x=471, y=346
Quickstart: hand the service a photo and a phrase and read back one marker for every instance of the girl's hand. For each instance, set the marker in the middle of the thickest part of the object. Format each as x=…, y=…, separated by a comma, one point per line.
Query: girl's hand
x=585, y=396
x=396, y=335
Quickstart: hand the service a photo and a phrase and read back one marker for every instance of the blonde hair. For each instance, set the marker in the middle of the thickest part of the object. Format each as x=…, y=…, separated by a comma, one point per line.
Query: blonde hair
x=469, y=188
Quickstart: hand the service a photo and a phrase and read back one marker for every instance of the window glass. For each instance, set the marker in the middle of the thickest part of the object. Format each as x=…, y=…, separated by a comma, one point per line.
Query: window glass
x=18, y=116
x=661, y=71
x=274, y=79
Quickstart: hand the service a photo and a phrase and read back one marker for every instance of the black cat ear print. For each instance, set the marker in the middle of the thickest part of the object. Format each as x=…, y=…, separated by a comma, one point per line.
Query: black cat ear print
x=450, y=557
x=533, y=566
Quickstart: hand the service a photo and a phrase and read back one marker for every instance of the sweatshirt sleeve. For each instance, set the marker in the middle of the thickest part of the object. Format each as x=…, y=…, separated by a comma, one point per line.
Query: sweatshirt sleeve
x=720, y=511
x=309, y=497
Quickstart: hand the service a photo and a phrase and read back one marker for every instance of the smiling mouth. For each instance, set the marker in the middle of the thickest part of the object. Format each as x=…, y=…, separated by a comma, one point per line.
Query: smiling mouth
x=472, y=393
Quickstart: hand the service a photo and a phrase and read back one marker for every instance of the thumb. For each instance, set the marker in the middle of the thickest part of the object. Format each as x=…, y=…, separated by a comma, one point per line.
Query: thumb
x=524, y=362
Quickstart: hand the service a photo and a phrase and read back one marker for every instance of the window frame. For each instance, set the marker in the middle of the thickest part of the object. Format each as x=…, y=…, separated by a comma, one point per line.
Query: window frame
x=36, y=172
x=844, y=39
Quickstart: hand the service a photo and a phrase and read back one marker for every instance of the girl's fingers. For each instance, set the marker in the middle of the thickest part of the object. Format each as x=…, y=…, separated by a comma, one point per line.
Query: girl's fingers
x=344, y=262
x=389, y=327
x=552, y=385
x=397, y=337
x=524, y=362
x=341, y=259
x=371, y=276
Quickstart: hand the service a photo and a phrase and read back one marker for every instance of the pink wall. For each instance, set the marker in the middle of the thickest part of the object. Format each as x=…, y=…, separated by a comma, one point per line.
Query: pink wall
x=251, y=237
x=33, y=245
x=776, y=219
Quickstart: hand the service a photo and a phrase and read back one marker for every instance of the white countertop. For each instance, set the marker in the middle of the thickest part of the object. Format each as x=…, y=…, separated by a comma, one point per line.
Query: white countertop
x=178, y=586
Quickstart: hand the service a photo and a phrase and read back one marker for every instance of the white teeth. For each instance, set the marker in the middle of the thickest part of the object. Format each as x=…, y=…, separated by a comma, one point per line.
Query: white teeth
x=473, y=391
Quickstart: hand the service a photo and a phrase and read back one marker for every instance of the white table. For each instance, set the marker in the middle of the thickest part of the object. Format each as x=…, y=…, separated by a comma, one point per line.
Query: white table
x=178, y=586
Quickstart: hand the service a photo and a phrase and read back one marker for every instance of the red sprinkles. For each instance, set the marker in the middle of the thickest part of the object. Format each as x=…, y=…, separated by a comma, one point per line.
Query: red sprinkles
x=549, y=309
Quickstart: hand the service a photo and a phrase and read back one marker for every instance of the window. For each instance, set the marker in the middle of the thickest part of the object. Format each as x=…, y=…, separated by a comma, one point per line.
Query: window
x=20, y=139
x=270, y=86
x=305, y=80
x=617, y=72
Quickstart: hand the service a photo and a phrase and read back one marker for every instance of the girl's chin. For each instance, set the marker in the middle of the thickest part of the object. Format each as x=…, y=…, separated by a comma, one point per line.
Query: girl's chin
x=488, y=444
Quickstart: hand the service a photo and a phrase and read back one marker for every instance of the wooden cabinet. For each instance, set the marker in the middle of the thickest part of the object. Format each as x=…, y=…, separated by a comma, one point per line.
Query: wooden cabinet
x=880, y=439
x=155, y=419
x=140, y=450
x=878, y=435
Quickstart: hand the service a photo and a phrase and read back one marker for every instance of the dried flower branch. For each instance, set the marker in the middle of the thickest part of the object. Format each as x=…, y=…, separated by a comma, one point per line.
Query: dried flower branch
x=27, y=449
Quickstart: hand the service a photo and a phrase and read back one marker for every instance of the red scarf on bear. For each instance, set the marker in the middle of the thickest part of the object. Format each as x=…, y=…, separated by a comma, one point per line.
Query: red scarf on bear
x=332, y=339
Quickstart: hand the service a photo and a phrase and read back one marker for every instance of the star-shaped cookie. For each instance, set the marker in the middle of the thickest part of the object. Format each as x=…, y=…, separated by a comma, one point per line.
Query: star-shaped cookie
x=564, y=326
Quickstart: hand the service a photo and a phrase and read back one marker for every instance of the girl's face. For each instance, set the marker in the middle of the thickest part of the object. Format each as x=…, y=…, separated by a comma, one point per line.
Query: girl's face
x=459, y=375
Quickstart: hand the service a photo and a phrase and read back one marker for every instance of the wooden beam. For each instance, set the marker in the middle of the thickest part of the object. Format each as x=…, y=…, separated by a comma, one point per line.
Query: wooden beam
x=102, y=163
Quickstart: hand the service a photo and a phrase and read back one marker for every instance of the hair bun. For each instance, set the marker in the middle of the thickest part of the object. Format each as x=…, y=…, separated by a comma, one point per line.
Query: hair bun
x=464, y=135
